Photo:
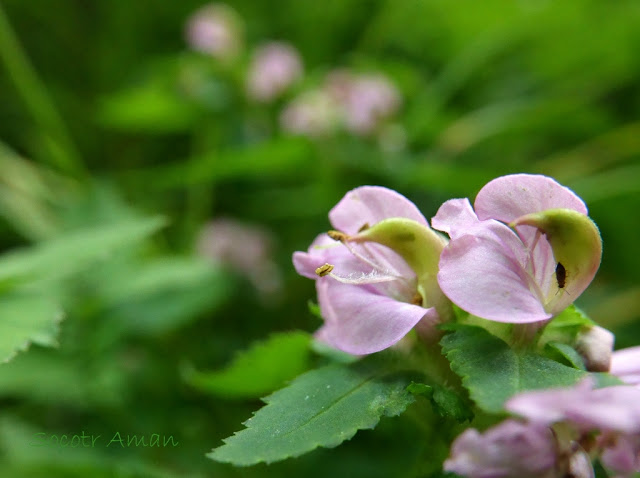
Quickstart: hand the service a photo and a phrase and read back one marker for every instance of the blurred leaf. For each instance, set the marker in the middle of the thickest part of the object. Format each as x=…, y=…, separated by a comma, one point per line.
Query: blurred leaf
x=493, y=372
x=52, y=378
x=323, y=407
x=275, y=157
x=73, y=251
x=149, y=108
x=162, y=295
x=35, y=452
x=26, y=318
x=445, y=402
x=261, y=369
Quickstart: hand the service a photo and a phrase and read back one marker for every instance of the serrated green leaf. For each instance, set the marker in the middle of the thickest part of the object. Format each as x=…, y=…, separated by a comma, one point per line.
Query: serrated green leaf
x=321, y=408
x=73, y=251
x=26, y=318
x=263, y=368
x=493, y=372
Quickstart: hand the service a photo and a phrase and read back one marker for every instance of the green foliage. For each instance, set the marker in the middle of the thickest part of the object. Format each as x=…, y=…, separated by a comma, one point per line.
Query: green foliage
x=565, y=327
x=446, y=403
x=258, y=370
x=565, y=354
x=51, y=259
x=492, y=371
x=321, y=408
x=26, y=318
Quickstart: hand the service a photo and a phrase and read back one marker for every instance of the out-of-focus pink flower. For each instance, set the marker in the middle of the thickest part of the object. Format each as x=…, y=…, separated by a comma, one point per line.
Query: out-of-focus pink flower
x=612, y=413
x=313, y=113
x=621, y=453
x=368, y=295
x=625, y=364
x=215, y=29
x=609, y=409
x=274, y=68
x=243, y=247
x=510, y=449
x=564, y=429
x=366, y=100
x=525, y=274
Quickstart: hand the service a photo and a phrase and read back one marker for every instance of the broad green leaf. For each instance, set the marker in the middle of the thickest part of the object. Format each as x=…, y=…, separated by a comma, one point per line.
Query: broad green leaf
x=26, y=318
x=445, y=402
x=259, y=370
x=73, y=251
x=321, y=408
x=493, y=372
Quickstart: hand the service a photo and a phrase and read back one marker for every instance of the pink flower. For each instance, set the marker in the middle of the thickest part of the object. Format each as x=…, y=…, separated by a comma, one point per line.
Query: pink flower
x=509, y=449
x=625, y=364
x=563, y=429
x=313, y=113
x=525, y=273
x=368, y=294
x=613, y=413
x=274, y=68
x=612, y=409
x=365, y=99
x=244, y=247
x=215, y=30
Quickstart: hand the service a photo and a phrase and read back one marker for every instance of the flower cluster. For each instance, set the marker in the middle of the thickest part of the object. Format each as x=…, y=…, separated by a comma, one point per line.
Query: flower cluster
x=561, y=432
x=368, y=294
x=528, y=272
x=358, y=103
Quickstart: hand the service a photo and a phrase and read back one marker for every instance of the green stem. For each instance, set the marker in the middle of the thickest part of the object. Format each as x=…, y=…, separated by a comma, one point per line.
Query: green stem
x=60, y=149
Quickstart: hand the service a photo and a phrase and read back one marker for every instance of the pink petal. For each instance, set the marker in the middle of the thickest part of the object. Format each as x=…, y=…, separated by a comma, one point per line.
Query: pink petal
x=607, y=409
x=508, y=449
x=321, y=251
x=360, y=321
x=626, y=362
x=508, y=197
x=455, y=217
x=368, y=205
x=483, y=277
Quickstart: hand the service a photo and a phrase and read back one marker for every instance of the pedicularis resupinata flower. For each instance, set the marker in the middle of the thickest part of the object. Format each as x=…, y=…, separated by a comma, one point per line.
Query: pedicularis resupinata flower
x=564, y=429
x=525, y=253
x=376, y=274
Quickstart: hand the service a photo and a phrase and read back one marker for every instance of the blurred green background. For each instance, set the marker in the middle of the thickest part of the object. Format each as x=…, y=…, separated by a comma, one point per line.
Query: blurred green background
x=149, y=205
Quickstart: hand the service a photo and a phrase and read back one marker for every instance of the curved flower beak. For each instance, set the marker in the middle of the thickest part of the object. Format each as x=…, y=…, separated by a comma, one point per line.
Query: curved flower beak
x=420, y=246
x=577, y=249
